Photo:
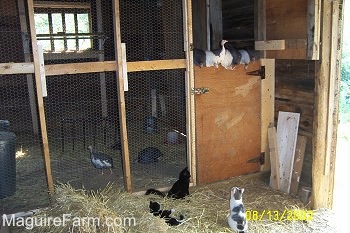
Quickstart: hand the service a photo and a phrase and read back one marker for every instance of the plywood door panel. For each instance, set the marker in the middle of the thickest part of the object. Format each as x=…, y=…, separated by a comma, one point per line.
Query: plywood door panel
x=227, y=122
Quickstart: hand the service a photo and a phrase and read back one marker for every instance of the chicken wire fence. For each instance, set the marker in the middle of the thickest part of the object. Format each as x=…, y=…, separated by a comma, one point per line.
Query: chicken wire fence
x=82, y=109
x=22, y=172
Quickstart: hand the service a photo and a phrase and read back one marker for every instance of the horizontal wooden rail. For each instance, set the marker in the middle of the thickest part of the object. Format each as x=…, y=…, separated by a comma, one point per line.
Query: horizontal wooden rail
x=17, y=68
x=92, y=67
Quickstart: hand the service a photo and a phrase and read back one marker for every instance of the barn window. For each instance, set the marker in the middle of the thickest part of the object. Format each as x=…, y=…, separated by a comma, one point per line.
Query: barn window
x=63, y=27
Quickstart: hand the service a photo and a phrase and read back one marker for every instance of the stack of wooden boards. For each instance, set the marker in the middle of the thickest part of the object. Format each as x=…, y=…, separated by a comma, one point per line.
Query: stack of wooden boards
x=287, y=150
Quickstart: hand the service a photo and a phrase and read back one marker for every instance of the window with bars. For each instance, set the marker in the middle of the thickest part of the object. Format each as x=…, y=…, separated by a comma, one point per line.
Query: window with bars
x=63, y=27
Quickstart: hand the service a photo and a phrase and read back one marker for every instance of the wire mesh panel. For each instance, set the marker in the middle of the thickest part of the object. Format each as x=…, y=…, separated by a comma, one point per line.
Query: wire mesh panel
x=155, y=101
x=22, y=172
x=156, y=124
x=76, y=120
x=152, y=29
x=80, y=109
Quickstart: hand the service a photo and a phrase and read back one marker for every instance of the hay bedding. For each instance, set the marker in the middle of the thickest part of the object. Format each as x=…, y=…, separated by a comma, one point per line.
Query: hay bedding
x=205, y=210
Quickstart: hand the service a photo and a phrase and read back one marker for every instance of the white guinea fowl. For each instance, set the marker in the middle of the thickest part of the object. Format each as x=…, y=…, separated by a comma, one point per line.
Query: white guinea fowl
x=226, y=56
x=211, y=59
x=100, y=160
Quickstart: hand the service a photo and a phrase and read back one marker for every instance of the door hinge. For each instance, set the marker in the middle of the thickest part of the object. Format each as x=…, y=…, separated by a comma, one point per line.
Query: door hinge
x=191, y=47
x=199, y=91
x=260, y=159
x=260, y=72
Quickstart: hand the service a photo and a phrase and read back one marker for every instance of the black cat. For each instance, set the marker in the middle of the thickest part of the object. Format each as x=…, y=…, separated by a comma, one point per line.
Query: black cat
x=156, y=211
x=180, y=188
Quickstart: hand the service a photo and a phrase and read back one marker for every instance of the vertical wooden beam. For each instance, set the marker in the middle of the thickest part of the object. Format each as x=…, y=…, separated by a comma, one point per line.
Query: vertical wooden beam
x=200, y=24
x=260, y=21
x=121, y=97
x=101, y=58
x=207, y=15
x=313, y=29
x=215, y=18
x=331, y=88
x=337, y=98
x=42, y=70
x=322, y=168
x=40, y=97
x=267, y=107
x=26, y=50
x=189, y=84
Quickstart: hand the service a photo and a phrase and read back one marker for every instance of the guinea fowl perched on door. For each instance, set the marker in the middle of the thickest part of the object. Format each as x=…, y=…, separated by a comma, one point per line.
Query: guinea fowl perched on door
x=100, y=160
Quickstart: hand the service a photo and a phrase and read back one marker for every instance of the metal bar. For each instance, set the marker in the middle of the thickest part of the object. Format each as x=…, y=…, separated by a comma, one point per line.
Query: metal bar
x=63, y=18
x=51, y=31
x=76, y=31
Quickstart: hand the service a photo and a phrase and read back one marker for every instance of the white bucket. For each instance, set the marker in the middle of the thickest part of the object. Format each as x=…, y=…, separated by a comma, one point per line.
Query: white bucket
x=171, y=138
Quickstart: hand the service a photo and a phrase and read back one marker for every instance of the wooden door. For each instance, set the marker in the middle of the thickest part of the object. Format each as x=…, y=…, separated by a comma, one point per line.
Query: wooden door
x=228, y=130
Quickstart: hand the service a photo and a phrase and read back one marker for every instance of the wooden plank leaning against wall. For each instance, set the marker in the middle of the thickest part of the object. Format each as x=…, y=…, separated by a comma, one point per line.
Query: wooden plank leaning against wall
x=40, y=97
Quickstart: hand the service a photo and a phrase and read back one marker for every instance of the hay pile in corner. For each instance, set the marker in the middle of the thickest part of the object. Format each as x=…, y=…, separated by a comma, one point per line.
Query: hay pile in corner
x=205, y=210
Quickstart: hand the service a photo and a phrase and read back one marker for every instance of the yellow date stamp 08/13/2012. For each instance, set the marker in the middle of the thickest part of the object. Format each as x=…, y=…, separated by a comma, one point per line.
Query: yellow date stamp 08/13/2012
x=278, y=215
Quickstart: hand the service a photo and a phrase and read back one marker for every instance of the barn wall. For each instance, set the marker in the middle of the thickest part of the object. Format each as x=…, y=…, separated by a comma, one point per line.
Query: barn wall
x=295, y=81
x=238, y=19
x=287, y=20
x=199, y=17
x=10, y=36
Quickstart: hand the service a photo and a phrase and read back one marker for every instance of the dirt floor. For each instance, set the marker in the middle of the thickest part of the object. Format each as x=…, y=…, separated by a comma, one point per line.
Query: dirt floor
x=71, y=163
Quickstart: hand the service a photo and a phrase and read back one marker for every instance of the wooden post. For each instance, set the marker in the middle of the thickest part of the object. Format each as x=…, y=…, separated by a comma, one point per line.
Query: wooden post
x=26, y=50
x=40, y=97
x=267, y=107
x=260, y=21
x=324, y=105
x=189, y=84
x=215, y=19
x=121, y=97
x=313, y=29
x=200, y=23
x=101, y=58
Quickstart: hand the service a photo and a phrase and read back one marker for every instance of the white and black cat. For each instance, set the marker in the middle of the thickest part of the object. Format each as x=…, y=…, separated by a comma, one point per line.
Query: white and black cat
x=180, y=188
x=237, y=218
x=155, y=209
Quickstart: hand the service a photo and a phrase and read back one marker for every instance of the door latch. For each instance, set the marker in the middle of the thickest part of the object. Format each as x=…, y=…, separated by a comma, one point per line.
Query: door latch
x=199, y=91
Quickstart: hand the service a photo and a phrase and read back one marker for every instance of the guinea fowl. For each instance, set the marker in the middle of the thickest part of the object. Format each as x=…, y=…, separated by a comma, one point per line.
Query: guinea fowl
x=221, y=53
x=199, y=57
x=225, y=55
x=100, y=160
x=245, y=59
x=236, y=55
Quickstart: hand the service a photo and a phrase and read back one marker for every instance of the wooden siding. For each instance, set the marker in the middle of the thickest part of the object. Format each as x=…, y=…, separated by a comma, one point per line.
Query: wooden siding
x=238, y=19
x=295, y=81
